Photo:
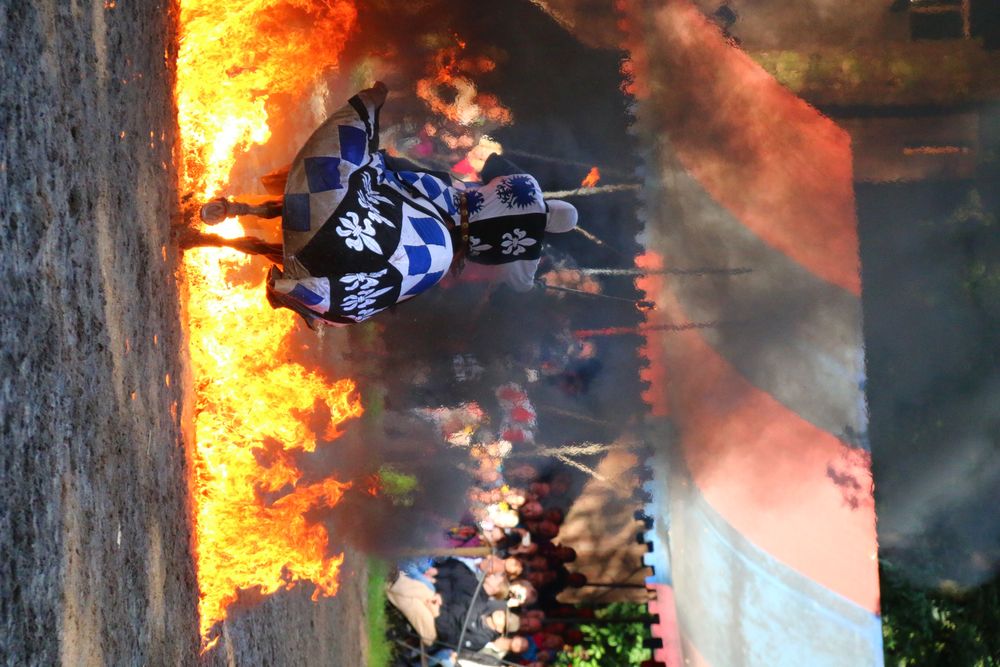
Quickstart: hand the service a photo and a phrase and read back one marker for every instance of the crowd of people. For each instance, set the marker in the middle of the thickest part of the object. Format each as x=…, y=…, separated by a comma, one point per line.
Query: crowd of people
x=490, y=594
x=491, y=597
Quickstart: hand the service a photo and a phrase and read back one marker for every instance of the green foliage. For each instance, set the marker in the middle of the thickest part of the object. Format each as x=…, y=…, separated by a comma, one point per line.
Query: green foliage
x=399, y=486
x=892, y=72
x=973, y=224
x=379, y=649
x=939, y=627
x=610, y=644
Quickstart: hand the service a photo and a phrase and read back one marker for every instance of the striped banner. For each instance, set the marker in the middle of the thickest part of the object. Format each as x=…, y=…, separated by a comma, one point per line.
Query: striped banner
x=773, y=554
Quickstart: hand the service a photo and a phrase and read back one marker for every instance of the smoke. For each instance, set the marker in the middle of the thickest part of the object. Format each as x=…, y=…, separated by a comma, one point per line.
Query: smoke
x=384, y=520
x=929, y=263
x=567, y=110
x=931, y=481
x=931, y=317
x=935, y=524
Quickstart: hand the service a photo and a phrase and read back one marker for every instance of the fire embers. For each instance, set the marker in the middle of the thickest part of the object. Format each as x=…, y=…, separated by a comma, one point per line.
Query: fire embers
x=592, y=178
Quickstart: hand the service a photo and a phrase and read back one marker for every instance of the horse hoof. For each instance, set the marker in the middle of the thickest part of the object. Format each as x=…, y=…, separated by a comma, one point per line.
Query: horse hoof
x=215, y=211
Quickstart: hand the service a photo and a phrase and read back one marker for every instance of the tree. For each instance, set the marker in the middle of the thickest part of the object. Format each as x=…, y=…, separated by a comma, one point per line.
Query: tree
x=932, y=627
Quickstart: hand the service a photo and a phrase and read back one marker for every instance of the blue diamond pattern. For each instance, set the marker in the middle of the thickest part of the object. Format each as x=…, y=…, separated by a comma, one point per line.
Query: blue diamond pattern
x=420, y=259
x=323, y=173
x=426, y=282
x=353, y=143
x=429, y=230
x=431, y=186
x=295, y=216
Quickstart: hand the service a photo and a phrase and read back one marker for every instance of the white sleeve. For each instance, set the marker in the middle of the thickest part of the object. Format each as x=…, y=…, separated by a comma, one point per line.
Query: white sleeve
x=520, y=275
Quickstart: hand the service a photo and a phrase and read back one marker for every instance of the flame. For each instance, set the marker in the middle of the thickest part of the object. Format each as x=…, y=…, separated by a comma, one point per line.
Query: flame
x=464, y=116
x=591, y=179
x=233, y=57
x=251, y=402
x=468, y=106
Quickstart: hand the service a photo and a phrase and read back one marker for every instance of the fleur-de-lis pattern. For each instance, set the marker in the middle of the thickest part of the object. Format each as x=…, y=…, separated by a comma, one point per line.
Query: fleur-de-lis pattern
x=363, y=291
x=372, y=200
x=362, y=299
x=516, y=242
x=354, y=281
x=358, y=234
x=363, y=315
x=476, y=246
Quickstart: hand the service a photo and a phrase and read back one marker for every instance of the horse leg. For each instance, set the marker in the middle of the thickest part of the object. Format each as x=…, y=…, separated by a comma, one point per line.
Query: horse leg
x=217, y=210
x=251, y=245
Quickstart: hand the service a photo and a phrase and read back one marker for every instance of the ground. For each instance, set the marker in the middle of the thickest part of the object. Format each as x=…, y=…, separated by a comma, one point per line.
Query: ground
x=290, y=629
x=95, y=530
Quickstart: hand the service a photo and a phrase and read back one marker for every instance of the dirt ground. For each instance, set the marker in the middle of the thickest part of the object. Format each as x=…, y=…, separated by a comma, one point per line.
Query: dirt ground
x=290, y=629
x=95, y=556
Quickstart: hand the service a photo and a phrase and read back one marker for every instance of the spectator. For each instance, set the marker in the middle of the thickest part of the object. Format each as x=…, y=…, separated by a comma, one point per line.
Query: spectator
x=458, y=588
x=420, y=569
x=554, y=514
x=524, y=592
x=530, y=625
x=522, y=471
x=542, y=531
x=420, y=605
x=531, y=510
x=540, y=489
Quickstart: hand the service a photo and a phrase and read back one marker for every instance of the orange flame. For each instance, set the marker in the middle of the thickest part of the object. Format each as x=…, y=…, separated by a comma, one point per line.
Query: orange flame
x=591, y=179
x=468, y=106
x=233, y=57
x=248, y=395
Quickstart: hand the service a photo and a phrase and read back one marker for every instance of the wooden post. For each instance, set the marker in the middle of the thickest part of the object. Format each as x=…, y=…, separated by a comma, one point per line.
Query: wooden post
x=445, y=552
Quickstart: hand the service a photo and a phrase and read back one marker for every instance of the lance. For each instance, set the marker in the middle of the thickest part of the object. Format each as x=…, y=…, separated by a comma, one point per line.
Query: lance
x=582, y=449
x=573, y=415
x=559, y=160
x=591, y=191
x=583, y=468
x=635, y=271
x=445, y=552
x=641, y=304
x=641, y=330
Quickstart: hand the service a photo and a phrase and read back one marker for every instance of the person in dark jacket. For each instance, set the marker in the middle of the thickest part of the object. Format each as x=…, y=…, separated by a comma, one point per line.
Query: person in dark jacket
x=460, y=592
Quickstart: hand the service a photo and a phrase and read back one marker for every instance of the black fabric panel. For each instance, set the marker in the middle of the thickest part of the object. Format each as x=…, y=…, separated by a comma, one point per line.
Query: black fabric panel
x=326, y=254
x=491, y=232
x=497, y=166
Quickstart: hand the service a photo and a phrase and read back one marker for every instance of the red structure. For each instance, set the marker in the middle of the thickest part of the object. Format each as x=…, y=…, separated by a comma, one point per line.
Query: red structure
x=770, y=513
